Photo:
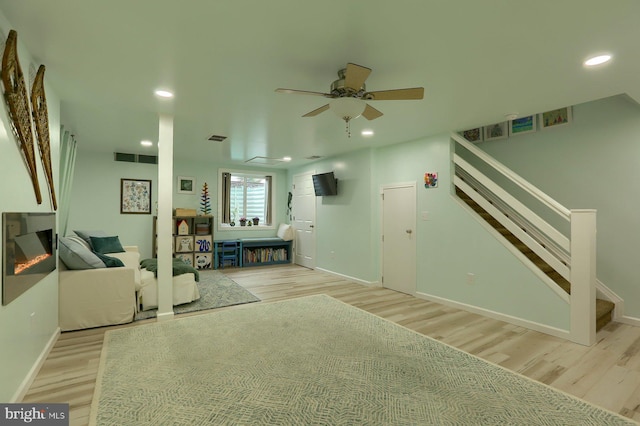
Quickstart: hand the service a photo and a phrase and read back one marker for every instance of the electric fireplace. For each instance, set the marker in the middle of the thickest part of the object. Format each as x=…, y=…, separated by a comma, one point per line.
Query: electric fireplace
x=28, y=251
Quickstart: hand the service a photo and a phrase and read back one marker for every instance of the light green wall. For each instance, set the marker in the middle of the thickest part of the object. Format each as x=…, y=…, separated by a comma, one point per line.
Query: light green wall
x=344, y=222
x=452, y=243
x=593, y=162
x=23, y=337
x=95, y=202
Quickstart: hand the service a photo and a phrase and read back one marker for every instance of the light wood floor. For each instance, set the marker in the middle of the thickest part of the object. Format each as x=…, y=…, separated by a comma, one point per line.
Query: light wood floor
x=606, y=374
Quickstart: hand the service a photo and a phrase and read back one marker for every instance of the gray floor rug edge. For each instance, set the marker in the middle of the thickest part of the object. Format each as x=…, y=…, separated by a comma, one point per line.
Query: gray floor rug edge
x=216, y=291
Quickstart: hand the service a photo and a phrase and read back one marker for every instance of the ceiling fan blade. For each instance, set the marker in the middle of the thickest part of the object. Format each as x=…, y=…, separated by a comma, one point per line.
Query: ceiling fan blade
x=395, y=95
x=355, y=76
x=370, y=113
x=304, y=92
x=317, y=111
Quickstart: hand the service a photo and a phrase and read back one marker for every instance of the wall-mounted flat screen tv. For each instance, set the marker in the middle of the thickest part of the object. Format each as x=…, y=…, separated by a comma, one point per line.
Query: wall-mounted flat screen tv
x=325, y=184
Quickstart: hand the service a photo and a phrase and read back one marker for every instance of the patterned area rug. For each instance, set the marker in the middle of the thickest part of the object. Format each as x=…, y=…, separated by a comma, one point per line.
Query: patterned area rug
x=312, y=360
x=216, y=290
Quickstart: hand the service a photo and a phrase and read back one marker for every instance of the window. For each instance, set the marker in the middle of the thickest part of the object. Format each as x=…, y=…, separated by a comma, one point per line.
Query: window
x=245, y=194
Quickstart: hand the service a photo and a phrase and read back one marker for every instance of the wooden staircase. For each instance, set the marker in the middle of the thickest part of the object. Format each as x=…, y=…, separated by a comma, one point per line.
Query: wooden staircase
x=604, y=308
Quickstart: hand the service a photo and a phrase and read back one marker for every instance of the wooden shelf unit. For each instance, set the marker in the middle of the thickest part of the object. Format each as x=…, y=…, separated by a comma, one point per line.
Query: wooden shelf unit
x=192, y=240
x=264, y=251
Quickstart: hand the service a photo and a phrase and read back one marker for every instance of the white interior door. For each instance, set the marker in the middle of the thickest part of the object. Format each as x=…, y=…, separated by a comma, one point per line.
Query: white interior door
x=399, y=238
x=303, y=219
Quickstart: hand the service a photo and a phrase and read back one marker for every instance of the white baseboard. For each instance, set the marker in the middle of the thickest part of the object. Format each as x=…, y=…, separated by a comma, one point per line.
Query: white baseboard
x=553, y=331
x=35, y=368
x=347, y=277
x=629, y=320
x=165, y=316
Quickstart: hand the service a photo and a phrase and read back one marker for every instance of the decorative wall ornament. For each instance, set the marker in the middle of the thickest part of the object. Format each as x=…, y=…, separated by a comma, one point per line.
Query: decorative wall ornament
x=431, y=180
x=41, y=119
x=15, y=93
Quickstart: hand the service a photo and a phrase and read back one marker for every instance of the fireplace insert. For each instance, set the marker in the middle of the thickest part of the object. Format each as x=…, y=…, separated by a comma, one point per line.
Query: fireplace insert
x=28, y=251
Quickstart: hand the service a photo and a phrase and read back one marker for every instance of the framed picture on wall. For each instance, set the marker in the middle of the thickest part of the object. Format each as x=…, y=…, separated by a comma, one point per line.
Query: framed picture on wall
x=496, y=131
x=522, y=125
x=555, y=118
x=473, y=135
x=186, y=185
x=135, y=196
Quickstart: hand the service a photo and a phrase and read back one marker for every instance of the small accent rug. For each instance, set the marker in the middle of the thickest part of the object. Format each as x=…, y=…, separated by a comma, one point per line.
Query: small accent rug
x=216, y=291
x=312, y=360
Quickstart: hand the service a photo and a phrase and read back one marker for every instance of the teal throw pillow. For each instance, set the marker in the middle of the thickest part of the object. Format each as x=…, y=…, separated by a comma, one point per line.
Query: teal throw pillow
x=111, y=262
x=86, y=235
x=106, y=245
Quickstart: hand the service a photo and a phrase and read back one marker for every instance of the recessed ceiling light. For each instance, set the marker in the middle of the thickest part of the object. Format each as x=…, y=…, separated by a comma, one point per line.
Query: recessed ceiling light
x=597, y=60
x=164, y=94
x=286, y=158
x=146, y=143
x=367, y=133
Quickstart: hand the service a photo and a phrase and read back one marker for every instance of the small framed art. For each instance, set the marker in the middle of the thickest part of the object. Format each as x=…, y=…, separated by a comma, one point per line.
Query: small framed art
x=431, y=180
x=186, y=185
x=555, y=118
x=135, y=196
x=473, y=135
x=522, y=125
x=496, y=131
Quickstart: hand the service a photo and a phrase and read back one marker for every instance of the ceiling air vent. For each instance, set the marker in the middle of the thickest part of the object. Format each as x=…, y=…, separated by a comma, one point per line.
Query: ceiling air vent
x=216, y=138
x=264, y=160
x=135, y=158
x=314, y=157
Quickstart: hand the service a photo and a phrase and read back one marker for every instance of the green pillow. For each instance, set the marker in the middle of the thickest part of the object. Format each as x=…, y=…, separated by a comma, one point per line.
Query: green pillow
x=105, y=245
x=86, y=235
x=111, y=262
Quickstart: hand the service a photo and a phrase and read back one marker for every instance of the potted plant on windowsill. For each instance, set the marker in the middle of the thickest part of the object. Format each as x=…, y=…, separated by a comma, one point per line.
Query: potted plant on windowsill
x=243, y=221
x=256, y=220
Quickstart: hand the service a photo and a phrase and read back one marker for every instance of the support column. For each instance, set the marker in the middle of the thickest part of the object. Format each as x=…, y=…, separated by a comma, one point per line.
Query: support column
x=583, y=276
x=165, y=218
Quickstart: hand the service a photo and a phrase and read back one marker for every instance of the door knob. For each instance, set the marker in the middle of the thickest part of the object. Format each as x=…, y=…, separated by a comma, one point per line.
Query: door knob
x=408, y=231
x=310, y=226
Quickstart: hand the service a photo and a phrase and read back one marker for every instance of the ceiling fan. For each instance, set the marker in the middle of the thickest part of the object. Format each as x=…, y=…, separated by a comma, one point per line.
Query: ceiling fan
x=349, y=94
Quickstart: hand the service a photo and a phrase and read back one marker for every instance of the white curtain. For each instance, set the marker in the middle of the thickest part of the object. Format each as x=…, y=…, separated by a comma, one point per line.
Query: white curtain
x=67, y=165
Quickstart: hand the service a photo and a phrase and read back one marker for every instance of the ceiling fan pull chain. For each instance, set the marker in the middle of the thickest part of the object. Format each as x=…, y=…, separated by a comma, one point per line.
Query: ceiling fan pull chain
x=348, y=130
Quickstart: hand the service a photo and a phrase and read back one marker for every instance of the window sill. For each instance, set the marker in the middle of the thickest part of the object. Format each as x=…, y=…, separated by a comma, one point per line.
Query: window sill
x=227, y=227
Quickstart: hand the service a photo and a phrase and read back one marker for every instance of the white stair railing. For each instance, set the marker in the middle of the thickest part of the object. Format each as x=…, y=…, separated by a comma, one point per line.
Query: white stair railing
x=573, y=257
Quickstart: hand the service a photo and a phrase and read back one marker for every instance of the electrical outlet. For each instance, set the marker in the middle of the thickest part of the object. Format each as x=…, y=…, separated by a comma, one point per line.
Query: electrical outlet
x=425, y=215
x=471, y=278
x=333, y=254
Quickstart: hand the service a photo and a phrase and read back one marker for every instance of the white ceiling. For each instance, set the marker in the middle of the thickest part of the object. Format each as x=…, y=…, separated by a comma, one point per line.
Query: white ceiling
x=223, y=59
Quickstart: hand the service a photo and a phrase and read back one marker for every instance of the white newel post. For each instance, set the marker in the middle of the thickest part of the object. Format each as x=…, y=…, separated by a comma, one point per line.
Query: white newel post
x=583, y=276
x=165, y=217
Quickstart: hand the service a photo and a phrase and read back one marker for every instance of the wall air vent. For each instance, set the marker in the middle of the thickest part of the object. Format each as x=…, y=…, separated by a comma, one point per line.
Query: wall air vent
x=135, y=158
x=216, y=138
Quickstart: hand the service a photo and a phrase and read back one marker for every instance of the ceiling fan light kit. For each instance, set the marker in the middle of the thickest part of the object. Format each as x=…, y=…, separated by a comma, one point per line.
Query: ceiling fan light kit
x=349, y=92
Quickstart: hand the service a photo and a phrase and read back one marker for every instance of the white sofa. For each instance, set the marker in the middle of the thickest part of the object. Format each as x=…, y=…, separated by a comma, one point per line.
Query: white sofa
x=185, y=290
x=96, y=297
